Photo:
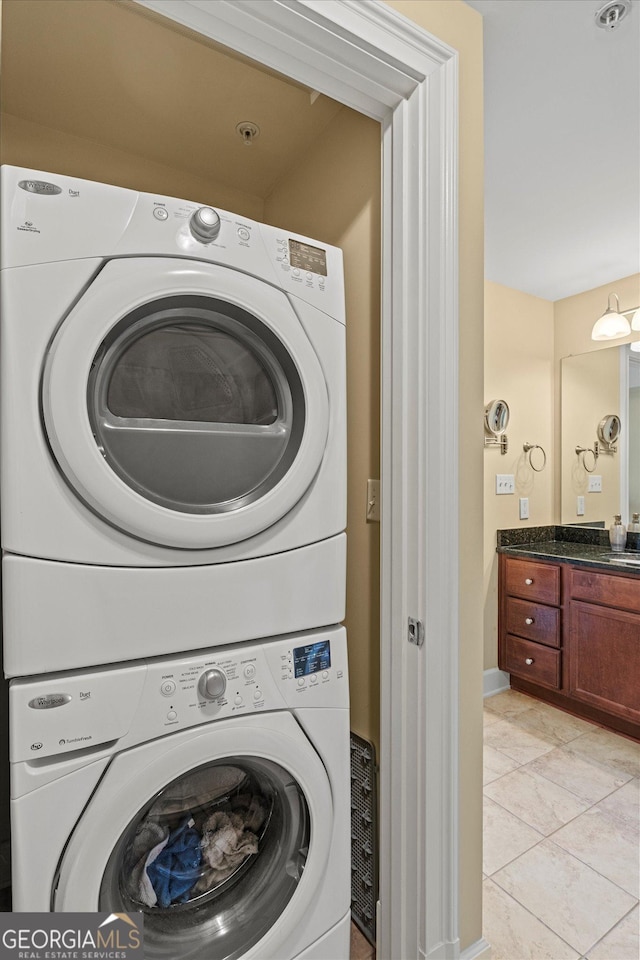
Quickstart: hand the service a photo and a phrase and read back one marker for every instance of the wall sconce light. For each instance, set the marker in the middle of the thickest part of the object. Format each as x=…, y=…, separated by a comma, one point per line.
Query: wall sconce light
x=635, y=346
x=614, y=322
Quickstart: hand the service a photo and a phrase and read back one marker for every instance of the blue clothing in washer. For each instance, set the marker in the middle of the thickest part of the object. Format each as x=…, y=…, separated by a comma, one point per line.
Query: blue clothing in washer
x=176, y=869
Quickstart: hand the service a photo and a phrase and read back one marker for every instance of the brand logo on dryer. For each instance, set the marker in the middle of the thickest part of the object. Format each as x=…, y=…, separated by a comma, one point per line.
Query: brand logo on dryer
x=50, y=700
x=41, y=187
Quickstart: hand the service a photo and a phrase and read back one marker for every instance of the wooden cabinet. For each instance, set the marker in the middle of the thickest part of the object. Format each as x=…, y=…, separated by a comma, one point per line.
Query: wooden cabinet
x=570, y=635
x=531, y=626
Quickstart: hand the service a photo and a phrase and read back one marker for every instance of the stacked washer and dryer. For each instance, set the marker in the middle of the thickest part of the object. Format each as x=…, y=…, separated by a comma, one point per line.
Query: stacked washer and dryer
x=173, y=505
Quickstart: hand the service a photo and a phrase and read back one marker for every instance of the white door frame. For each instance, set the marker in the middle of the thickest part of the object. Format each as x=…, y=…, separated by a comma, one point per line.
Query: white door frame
x=364, y=54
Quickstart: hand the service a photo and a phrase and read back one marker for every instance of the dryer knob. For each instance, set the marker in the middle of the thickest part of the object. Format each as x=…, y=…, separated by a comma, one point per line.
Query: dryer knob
x=205, y=224
x=212, y=684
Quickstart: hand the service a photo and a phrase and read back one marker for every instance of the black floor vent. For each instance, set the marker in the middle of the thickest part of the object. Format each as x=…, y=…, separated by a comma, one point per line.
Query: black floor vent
x=364, y=836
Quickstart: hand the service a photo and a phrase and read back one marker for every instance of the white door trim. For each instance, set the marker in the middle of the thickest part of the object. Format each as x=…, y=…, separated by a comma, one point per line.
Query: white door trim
x=364, y=54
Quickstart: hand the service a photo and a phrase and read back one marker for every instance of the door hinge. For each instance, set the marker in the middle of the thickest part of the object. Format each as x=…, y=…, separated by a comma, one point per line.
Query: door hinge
x=415, y=632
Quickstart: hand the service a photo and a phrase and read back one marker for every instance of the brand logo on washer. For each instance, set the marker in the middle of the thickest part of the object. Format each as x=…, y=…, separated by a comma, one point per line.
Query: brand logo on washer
x=41, y=187
x=50, y=700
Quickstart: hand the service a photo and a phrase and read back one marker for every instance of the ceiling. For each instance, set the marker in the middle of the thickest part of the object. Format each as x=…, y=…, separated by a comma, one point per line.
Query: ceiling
x=109, y=71
x=562, y=145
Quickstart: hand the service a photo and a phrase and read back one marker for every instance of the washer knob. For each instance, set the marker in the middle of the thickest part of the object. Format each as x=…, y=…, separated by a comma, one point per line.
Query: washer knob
x=212, y=684
x=205, y=224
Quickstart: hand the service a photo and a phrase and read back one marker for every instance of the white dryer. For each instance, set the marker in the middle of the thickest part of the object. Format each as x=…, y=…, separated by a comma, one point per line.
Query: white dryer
x=172, y=444
x=210, y=793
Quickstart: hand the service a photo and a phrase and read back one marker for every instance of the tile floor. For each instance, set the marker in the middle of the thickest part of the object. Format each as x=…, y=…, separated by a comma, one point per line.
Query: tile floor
x=561, y=835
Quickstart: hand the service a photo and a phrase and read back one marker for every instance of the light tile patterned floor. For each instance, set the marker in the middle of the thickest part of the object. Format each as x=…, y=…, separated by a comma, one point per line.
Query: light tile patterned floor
x=561, y=835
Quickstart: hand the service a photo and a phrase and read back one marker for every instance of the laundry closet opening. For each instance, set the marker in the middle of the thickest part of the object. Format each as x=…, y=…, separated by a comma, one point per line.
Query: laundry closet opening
x=136, y=101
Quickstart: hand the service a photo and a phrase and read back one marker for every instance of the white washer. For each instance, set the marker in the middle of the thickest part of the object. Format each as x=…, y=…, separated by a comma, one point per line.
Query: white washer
x=159, y=752
x=173, y=426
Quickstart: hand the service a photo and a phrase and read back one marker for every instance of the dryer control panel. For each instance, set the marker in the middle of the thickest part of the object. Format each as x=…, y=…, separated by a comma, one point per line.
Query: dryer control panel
x=49, y=217
x=122, y=706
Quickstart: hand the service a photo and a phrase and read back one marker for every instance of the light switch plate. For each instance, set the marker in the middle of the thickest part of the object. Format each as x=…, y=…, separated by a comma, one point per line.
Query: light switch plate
x=524, y=508
x=505, y=483
x=580, y=507
x=595, y=483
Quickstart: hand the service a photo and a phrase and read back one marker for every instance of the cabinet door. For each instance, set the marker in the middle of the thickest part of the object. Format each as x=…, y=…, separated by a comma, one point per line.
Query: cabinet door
x=604, y=659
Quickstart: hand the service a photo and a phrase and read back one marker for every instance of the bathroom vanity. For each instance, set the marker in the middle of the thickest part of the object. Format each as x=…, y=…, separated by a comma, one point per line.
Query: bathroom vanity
x=569, y=622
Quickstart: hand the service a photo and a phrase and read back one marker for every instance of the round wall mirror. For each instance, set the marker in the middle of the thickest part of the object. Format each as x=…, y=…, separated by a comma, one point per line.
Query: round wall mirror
x=609, y=429
x=496, y=417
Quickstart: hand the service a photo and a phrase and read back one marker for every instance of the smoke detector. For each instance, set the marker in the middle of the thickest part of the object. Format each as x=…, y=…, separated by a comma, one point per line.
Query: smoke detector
x=612, y=14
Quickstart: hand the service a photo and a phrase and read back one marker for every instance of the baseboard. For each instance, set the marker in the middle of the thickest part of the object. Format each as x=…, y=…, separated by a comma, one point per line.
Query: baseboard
x=480, y=950
x=494, y=681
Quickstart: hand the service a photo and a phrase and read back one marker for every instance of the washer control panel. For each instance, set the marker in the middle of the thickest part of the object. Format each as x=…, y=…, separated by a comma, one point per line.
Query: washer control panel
x=135, y=702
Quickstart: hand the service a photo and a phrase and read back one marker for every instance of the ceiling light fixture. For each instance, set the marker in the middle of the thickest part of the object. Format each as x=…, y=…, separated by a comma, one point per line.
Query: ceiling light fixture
x=614, y=322
x=612, y=14
x=635, y=346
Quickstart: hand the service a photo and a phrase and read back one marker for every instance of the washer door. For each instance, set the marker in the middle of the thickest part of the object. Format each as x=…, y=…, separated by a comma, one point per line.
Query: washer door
x=194, y=417
x=221, y=840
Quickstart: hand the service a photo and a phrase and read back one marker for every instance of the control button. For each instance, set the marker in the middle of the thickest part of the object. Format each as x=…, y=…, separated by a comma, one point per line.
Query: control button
x=309, y=276
x=257, y=694
x=238, y=701
x=296, y=272
x=172, y=715
x=212, y=684
x=160, y=213
x=313, y=678
x=250, y=671
x=300, y=681
x=168, y=688
x=243, y=233
x=205, y=224
x=325, y=674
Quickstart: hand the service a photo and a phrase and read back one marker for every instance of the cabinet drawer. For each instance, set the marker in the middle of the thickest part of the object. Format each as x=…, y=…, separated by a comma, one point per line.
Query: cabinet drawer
x=533, y=662
x=620, y=592
x=532, y=581
x=533, y=621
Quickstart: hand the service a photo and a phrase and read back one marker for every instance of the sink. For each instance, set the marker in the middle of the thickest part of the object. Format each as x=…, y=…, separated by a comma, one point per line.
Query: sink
x=624, y=558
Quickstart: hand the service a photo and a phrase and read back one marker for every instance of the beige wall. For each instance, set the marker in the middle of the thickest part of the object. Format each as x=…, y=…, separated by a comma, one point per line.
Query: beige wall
x=518, y=368
x=461, y=27
x=26, y=144
x=343, y=208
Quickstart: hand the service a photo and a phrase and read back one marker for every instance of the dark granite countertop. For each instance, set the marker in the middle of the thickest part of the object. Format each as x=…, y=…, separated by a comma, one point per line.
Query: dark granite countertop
x=586, y=546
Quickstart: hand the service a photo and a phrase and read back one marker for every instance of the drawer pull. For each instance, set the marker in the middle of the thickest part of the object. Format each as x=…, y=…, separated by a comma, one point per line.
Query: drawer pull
x=529, y=621
x=528, y=581
x=529, y=661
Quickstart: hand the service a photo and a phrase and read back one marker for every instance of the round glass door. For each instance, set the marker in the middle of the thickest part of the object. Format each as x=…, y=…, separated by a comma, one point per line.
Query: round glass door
x=196, y=405
x=212, y=860
x=184, y=402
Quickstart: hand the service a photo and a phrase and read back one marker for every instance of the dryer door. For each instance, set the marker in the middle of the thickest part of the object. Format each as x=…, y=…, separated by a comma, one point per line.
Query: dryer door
x=219, y=836
x=184, y=402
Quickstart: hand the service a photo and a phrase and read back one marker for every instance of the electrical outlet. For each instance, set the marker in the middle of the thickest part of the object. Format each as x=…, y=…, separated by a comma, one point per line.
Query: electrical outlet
x=595, y=483
x=524, y=508
x=580, y=507
x=505, y=483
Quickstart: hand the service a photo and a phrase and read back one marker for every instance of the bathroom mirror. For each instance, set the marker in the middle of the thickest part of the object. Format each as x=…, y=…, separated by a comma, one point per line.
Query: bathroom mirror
x=496, y=417
x=600, y=400
x=609, y=430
